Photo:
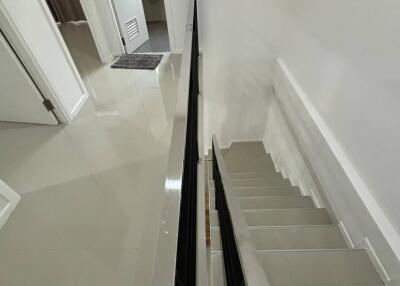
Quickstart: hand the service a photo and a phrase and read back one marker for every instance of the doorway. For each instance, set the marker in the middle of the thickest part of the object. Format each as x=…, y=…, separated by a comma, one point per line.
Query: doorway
x=156, y=20
x=74, y=27
x=143, y=25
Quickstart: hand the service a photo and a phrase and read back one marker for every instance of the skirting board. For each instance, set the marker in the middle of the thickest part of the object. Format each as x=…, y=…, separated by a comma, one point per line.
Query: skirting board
x=313, y=160
x=79, y=105
x=8, y=202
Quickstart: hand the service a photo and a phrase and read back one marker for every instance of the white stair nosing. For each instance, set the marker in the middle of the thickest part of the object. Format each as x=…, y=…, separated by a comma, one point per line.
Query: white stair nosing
x=283, y=209
x=265, y=187
x=260, y=227
x=311, y=250
x=268, y=197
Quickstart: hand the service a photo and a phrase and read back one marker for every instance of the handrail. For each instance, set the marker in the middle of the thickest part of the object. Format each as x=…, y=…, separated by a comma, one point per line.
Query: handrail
x=167, y=266
x=253, y=272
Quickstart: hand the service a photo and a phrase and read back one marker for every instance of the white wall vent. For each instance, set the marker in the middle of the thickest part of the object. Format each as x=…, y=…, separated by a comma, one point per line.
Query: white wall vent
x=132, y=28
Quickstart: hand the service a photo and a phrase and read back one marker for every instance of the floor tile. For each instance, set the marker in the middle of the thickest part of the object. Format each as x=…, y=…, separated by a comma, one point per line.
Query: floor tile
x=40, y=268
x=91, y=189
x=108, y=267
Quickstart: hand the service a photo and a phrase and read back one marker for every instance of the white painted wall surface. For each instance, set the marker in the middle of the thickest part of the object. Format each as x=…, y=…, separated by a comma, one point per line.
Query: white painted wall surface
x=238, y=56
x=304, y=148
x=176, y=11
x=345, y=56
x=34, y=35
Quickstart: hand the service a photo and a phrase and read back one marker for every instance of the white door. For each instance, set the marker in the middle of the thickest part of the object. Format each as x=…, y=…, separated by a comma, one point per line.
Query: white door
x=20, y=100
x=8, y=201
x=132, y=23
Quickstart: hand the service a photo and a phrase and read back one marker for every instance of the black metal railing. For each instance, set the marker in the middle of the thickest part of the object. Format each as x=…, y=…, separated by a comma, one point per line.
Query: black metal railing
x=185, y=272
x=233, y=267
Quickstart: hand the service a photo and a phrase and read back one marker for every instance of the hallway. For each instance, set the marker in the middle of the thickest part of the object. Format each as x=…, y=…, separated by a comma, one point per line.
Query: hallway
x=90, y=190
x=159, y=41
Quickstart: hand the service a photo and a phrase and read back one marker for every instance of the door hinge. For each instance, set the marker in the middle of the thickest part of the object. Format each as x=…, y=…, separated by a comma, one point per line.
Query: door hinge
x=49, y=106
x=123, y=40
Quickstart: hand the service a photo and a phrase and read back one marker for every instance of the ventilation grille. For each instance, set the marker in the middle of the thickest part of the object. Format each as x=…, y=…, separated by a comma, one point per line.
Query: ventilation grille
x=132, y=28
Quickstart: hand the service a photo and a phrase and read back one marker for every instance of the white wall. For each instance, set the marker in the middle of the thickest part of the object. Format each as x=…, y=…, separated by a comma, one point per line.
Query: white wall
x=304, y=148
x=31, y=30
x=237, y=57
x=345, y=56
x=176, y=11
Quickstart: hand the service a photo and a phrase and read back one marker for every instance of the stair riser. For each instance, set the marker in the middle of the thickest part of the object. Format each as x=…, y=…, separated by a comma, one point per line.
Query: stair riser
x=257, y=176
x=276, y=202
x=345, y=267
x=272, y=202
x=260, y=192
x=290, y=238
x=260, y=182
x=309, y=268
x=287, y=217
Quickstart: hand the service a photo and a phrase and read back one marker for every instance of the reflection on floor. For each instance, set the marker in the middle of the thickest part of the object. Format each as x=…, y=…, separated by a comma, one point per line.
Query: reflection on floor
x=90, y=190
x=159, y=41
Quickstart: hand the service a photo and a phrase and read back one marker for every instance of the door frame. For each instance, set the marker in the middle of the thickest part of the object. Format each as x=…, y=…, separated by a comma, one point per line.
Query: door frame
x=10, y=31
x=104, y=28
x=170, y=26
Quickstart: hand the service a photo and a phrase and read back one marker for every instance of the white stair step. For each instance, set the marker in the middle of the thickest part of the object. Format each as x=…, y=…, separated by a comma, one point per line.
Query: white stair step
x=298, y=237
x=210, y=170
x=276, y=202
x=247, y=175
x=271, y=182
x=217, y=270
x=214, y=222
x=248, y=157
x=257, y=190
x=320, y=267
x=266, y=191
x=323, y=267
x=261, y=192
x=256, y=175
x=280, y=217
x=290, y=238
x=271, y=202
x=286, y=217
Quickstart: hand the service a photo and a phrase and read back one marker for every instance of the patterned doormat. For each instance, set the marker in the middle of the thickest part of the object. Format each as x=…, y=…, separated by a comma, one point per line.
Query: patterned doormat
x=138, y=61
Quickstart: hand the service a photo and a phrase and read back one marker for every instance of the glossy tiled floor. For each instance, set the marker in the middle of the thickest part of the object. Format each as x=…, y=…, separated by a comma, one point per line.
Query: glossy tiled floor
x=90, y=190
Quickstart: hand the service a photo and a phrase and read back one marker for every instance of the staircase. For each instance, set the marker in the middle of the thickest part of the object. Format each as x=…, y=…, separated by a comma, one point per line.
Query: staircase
x=297, y=243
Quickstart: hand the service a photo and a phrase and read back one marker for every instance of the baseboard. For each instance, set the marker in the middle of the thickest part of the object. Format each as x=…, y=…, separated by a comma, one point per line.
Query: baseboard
x=79, y=105
x=394, y=282
x=346, y=235
x=305, y=150
x=366, y=244
x=9, y=200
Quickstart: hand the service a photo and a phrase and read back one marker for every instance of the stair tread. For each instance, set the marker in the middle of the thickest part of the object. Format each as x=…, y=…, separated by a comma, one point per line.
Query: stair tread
x=290, y=238
x=272, y=202
x=272, y=182
x=247, y=157
x=276, y=202
x=258, y=190
x=282, y=217
x=321, y=267
x=298, y=216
